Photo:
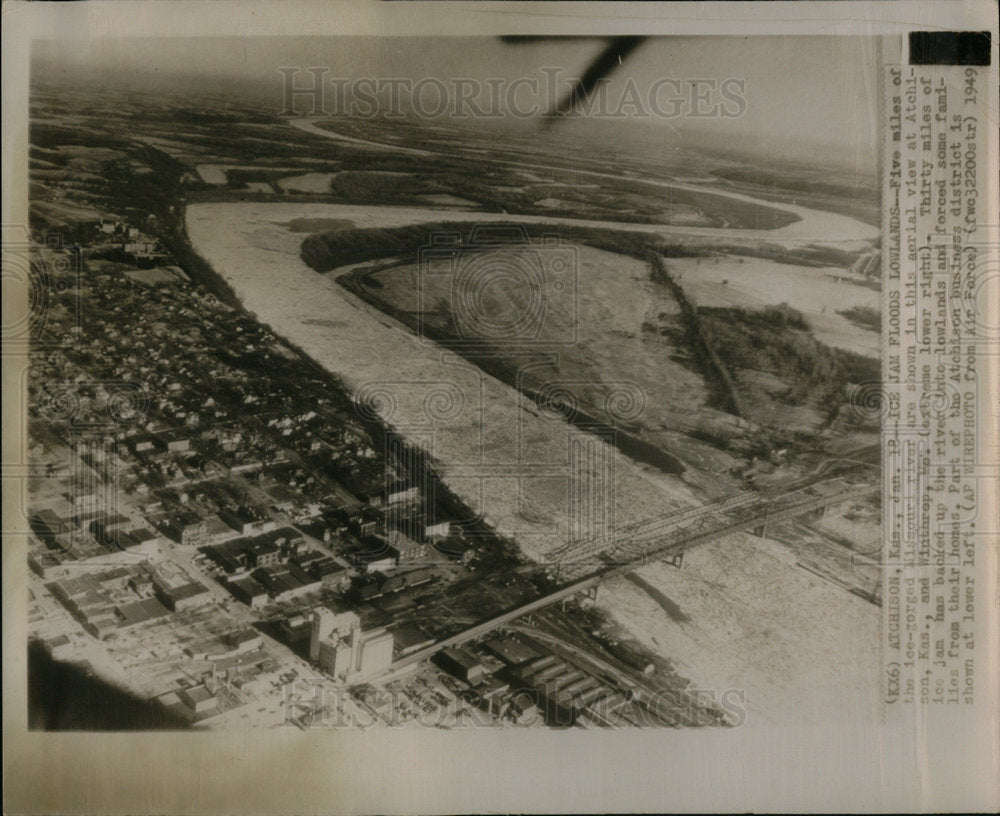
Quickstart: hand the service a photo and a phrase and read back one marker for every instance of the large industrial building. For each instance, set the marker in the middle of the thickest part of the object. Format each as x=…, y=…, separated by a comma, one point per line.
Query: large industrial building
x=343, y=650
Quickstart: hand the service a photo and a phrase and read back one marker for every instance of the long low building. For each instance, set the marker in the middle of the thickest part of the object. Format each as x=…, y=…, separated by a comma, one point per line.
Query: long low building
x=184, y=596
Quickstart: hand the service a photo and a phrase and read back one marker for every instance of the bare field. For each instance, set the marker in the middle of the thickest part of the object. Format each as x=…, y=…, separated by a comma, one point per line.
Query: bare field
x=604, y=308
x=216, y=173
x=307, y=183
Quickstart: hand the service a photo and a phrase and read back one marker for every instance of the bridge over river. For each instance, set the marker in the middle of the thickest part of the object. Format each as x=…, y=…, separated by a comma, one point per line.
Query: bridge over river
x=667, y=537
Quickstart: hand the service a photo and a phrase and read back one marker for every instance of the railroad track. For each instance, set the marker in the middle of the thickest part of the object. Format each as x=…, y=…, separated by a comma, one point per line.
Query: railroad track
x=647, y=551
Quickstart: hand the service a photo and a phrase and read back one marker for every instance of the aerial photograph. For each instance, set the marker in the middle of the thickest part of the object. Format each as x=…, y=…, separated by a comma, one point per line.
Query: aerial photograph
x=453, y=382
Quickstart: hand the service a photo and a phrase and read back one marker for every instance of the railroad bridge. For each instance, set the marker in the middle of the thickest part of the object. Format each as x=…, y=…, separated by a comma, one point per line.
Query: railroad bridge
x=665, y=537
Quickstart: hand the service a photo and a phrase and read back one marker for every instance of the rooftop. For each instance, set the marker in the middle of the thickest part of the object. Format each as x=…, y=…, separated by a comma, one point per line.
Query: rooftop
x=461, y=657
x=242, y=636
x=262, y=548
x=249, y=585
x=511, y=651
x=409, y=635
x=197, y=694
x=184, y=591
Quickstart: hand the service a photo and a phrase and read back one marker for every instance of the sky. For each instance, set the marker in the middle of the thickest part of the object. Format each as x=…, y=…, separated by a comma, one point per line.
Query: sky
x=805, y=90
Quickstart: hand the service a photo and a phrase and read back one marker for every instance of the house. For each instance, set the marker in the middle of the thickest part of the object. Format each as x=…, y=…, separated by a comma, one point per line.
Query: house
x=407, y=580
x=263, y=554
x=296, y=628
x=174, y=441
x=106, y=528
x=217, y=530
x=142, y=444
x=198, y=700
x=288, y=540
x=282, y=585
x=183, y=596
x=366, y=590
x=492, y=690
x=71, y=588
x=230, y=555
x=144, y=540
x=399, y=494
x=365, y=522
x=244, y=640
x=188, y=529
x=141, y=249
x=318, y=566
x=59, y=647
x=381, y=565
x=407, y=550
x=437, y=531
x=51, y=529
x=249, y=591
x=461, y=664
x=511, y=651
x=101, y=627
x=522, y=707
x=410, y=638
x=130, y=614
x=86, y=502
x=141, y=583
x=245, y=520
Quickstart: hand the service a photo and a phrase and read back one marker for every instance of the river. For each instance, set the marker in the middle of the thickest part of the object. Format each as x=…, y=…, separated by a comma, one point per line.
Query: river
x=799, y=648
x=811, y=226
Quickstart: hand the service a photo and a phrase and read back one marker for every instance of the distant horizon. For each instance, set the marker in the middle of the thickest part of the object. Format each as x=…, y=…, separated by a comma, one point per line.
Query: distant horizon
x=833, y=91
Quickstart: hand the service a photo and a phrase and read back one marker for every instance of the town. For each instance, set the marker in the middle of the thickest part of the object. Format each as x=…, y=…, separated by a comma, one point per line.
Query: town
x=204, y=550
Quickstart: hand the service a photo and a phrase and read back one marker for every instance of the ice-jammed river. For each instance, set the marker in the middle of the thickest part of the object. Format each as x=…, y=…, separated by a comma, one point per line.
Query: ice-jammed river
x=797, y=647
